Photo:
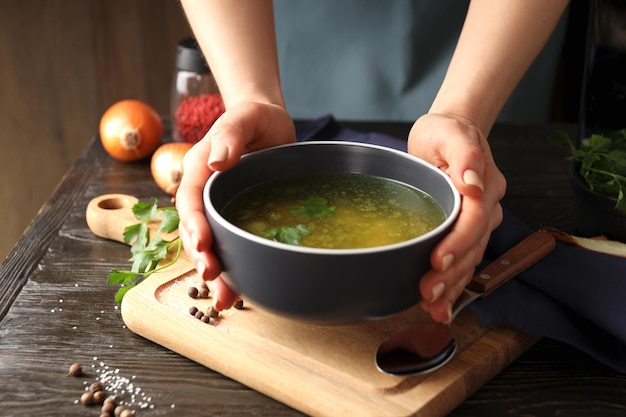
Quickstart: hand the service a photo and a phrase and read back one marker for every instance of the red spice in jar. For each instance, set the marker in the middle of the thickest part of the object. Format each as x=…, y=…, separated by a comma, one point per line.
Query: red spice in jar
x=196, y=114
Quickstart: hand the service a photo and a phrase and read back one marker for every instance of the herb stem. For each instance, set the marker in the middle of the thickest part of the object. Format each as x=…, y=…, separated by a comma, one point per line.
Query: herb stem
x=179, y=245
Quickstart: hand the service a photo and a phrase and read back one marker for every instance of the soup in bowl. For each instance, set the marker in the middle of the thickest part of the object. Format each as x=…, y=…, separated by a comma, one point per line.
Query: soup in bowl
x=329, y=232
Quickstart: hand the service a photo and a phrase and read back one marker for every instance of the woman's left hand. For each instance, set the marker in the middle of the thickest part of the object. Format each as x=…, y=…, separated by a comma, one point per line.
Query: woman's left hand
x=457, y=147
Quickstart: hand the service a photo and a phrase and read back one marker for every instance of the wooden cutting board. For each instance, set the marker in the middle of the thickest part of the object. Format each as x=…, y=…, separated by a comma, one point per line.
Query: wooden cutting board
x=319, y=370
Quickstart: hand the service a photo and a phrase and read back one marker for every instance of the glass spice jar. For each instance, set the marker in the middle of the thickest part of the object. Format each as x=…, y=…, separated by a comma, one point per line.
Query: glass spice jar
x=195, y=99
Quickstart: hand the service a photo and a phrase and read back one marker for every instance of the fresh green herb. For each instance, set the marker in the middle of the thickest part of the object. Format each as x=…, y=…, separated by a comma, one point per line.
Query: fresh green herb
x=292, y=235
x=147, y=251
x=315, y=207
x=603, y=162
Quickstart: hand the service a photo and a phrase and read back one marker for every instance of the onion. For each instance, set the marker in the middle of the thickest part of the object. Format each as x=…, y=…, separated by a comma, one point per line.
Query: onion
x=166, y=165
x=597, y=244
x=130, y=130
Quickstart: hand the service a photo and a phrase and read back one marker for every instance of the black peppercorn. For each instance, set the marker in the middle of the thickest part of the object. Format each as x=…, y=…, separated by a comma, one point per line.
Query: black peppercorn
x=212, y=312
x=192, y=292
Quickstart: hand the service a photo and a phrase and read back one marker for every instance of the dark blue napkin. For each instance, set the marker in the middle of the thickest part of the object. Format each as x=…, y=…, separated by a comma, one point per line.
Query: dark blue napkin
x=327, y=128
x=573, y=295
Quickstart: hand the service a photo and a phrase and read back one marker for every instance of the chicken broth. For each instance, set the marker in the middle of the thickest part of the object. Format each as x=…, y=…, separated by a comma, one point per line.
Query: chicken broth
x=338, y=211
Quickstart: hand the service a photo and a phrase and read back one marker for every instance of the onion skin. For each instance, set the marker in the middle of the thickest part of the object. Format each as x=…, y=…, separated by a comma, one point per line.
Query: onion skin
x=130, y=130
x=166, y=165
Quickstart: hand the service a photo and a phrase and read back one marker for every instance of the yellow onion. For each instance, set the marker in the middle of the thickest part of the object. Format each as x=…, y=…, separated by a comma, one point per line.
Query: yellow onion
x=166, y=165
x=597, y=244
x=130, y=130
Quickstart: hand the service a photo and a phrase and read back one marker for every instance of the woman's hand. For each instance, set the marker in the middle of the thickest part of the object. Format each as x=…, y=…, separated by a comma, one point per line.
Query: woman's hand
x=245, y=127
x=453, y=144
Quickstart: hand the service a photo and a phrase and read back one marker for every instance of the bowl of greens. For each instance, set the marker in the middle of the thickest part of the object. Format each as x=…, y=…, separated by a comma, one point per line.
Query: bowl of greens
x=598, y=173
x=328, y=231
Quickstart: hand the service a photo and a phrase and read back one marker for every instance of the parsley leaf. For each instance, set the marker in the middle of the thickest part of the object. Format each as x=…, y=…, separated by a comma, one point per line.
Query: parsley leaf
x=315, y=207
x=147, y=250
x=292, y=235
x=603, y=162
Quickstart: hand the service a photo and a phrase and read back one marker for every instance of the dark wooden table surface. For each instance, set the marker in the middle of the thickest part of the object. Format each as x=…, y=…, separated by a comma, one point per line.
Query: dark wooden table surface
x=56, y=309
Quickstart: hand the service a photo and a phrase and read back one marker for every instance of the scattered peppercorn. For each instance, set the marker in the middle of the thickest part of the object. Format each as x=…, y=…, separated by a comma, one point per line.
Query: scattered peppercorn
x=96, y=386
x=76, y=369
x=238, y=304
x=204, y=293
x=86, y=398
x=96, y=394
x=192, y=292
x=127, y=413
x=108, y=407
x=99, y=396
x=199, y=314
x=212, y=312
x=193, y=310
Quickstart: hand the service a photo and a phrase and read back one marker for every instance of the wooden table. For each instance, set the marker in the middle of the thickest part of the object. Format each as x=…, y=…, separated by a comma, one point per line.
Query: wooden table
x=56, y=309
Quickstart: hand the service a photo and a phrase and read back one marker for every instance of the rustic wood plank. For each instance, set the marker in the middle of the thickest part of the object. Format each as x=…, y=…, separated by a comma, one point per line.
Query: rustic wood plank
x=32, y=246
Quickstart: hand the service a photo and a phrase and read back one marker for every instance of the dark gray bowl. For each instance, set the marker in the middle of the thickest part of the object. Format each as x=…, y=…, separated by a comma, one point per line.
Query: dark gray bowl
x=595, y=212
x=330, y=286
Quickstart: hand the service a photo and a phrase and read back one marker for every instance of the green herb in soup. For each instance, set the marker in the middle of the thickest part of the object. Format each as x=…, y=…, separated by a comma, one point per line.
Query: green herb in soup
x=338, y=211
x=287, y=234
x=315, y=207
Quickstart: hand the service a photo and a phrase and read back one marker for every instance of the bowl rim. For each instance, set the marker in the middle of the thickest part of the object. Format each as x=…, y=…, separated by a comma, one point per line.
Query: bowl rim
x=447, y=223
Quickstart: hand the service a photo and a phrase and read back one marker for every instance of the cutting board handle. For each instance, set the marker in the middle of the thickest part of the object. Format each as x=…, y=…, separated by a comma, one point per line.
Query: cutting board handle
x=107, y=215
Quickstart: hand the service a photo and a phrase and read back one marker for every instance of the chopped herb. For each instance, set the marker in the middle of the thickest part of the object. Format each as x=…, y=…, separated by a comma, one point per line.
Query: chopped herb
x=315, y=207
x=603, y=163
x=147, y=251
x=292, y=235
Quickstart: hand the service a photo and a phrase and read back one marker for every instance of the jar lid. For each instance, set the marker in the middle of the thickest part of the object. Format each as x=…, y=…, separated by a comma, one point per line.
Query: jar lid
x=189, y=57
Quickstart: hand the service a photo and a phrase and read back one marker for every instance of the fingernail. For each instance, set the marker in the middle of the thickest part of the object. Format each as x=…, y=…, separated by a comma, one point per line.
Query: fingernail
x=201, y=268
x=195, y=241
x=437, y=290
x=470, y=177
x=448, y=260
x=219, y=153
x=449, y=313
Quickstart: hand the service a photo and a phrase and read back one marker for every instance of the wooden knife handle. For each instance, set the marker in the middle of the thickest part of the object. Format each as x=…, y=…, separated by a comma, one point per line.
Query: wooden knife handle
x=108, y=215
x=514, y=261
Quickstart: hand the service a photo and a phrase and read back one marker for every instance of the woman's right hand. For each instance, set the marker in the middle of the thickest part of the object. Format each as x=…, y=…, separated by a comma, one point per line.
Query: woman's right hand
x=244, y=127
